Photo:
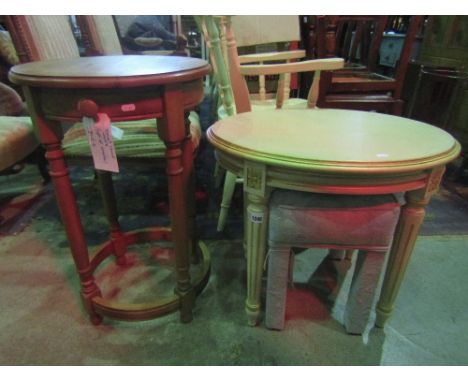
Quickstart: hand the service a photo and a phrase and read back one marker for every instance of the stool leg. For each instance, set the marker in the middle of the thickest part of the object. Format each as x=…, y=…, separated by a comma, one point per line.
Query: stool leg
x=277, y=282
x=228, y=192
x=341, y=255
x=336, y=254
x=363, y=287
x=109, y=202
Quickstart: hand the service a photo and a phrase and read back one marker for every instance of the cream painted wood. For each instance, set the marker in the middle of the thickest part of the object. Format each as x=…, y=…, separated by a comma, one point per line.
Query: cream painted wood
x=255, y=30
x=230, y=75
x=272, y=56
x=107, y=34
x=292, y=67
x=411, y=219
x=334, y=140
x=336, y=152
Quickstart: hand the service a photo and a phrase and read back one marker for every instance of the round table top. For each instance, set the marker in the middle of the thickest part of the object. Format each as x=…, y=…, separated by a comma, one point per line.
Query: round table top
x=109, y=71
x=334, y=140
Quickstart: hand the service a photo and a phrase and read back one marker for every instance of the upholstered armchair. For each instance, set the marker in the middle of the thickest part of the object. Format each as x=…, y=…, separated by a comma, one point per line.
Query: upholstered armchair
x=17, y=138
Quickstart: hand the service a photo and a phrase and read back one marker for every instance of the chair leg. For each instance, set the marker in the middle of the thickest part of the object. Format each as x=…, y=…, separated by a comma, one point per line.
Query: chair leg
x=363, y=288
x=218, y=175
x=42, y=164
x=228, y=192
x=106, y=188
x=278, y=267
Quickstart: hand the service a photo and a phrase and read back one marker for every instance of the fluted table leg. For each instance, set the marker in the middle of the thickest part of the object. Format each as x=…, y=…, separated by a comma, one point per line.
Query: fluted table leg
x=406, y=233
x=256, y=226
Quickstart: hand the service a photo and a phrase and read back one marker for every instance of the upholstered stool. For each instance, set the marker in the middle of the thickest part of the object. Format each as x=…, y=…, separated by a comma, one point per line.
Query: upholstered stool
x=302, y=219
x=17, y=140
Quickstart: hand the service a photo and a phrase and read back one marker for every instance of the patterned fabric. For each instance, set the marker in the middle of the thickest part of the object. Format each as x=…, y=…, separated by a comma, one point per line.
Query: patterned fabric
x=53, y=37
x=11, y=103
x=17, y=140
x=7, y=49
x=140, y=139
x=306, y=219
x=302, y=219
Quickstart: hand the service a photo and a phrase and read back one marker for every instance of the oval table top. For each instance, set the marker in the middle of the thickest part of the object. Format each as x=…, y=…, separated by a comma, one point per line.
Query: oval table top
x=109, y=71
x=333, y=140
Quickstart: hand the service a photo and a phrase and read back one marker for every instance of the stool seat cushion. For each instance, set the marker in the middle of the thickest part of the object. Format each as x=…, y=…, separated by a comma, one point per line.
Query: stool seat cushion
x=17, y=140
x=140, y=139
x=307, y=219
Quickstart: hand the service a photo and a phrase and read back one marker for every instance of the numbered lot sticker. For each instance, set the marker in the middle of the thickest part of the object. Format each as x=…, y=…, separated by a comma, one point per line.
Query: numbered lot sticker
x=256, y=217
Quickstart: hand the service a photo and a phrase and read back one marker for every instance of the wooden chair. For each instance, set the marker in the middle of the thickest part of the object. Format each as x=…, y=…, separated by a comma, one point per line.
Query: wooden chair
x=17, y=139
x=230, y=69
x=357, y=39
x=48, y=37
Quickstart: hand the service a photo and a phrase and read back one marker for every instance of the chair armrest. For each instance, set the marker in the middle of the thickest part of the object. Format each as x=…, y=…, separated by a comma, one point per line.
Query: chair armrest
x=293, y=67
x=272, y=56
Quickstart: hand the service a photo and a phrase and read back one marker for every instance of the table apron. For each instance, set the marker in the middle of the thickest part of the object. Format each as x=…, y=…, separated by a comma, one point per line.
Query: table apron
x=120, y=104
x=333, y=183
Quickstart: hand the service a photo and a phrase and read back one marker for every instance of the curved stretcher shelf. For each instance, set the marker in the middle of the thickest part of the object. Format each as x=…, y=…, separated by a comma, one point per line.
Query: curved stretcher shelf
x=163, y=305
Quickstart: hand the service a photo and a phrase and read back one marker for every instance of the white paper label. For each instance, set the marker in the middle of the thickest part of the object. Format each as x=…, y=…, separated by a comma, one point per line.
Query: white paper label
x=117, y=133
x=101, y=144
x=256, y=217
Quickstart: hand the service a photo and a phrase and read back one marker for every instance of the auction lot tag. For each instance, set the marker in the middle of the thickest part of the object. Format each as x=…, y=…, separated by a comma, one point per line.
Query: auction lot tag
x=100, y=141
x=256, y=217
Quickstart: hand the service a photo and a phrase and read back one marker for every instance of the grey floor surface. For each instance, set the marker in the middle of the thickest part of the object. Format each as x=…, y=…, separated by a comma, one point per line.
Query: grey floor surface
x=42, y=321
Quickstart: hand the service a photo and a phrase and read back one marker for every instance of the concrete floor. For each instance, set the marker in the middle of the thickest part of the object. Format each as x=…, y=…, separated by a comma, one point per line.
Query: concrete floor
x=42, y=321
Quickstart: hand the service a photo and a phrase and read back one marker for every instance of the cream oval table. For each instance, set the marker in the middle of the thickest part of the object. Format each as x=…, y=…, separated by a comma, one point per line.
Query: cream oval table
x=336, y=152
x=125, y=88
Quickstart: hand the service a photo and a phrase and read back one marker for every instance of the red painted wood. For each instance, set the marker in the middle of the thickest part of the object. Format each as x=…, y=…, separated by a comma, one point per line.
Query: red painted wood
x=172, y=86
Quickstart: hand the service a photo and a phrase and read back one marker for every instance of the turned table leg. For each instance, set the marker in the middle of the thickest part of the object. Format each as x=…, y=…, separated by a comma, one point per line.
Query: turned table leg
x=173, y=132
x=69, y=213
x=406, y=233
x=188, y=164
